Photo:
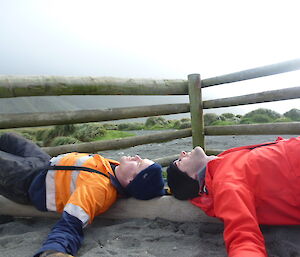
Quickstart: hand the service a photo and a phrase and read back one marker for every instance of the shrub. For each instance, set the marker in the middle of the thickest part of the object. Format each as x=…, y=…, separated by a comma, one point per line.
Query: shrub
x=180, y=124
x=227, y=115
x=262, y=111
x=64, y=141
x=87, y=132
x=245, y=121
x=110, y=126
x=261, y=118
x=131, y=126
x=293, y=114
x=230, y=117
x=235, y=119
x=157, y=122
x=28, y=136
x=209, y=118
x=63, y=130
x=57, y=131
x=223, y=123
x=283, y=119
x=40, y=134
x=185, y=125
x=29, y=131
x=176, y=124
x=183, y=120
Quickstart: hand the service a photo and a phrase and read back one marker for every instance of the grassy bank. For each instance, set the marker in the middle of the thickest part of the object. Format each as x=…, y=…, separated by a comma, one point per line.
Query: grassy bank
x=72, y=134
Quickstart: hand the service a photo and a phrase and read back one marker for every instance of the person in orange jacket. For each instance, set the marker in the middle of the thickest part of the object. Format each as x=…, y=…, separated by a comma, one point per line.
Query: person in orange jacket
x=78, y=185
x=243, y=187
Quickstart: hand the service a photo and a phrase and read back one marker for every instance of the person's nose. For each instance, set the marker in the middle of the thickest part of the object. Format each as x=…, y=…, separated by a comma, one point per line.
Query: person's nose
x=137, y=158
x=182, y=154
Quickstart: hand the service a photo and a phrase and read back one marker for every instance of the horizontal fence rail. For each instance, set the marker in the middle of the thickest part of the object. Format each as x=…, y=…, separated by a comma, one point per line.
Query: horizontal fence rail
x=262, y=97
x=289, y=128
x=263, y=71
x=84, y=116
x=93, y=147
x=165, y=161
x=15, y=86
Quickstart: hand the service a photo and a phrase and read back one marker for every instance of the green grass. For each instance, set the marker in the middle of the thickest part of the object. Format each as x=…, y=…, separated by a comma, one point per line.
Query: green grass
x=30, y=133
x=114, y=134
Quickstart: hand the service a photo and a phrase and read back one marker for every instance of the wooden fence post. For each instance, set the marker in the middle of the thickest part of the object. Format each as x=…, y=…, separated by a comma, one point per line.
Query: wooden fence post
x=196, y=109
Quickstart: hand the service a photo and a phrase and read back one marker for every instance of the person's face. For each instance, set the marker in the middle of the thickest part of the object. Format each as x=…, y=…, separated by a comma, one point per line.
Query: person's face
x=129, y=168
x=191, y=162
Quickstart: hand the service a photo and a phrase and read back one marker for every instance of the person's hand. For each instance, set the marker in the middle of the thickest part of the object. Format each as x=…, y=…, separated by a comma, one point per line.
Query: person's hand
x=52, y=253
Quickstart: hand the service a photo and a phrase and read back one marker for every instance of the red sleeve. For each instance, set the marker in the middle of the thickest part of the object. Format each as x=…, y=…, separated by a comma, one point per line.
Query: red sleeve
x=234, y=204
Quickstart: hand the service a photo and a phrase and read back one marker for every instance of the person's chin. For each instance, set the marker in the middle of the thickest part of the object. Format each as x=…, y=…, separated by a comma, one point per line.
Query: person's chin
x=199, y=151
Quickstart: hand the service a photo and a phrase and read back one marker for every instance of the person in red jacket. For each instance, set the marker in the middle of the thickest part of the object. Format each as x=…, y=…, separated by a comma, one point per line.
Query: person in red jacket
x=78, y=185
x=243, y=187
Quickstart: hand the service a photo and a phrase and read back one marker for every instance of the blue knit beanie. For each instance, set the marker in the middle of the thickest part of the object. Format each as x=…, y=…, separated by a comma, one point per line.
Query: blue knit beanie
x=146, y=185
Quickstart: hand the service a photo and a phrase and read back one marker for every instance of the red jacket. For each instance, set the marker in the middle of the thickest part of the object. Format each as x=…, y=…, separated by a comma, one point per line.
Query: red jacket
x=252, y=185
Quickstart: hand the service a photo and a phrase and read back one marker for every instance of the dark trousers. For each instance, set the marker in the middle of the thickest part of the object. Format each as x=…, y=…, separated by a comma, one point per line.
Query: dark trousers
x=20, y=161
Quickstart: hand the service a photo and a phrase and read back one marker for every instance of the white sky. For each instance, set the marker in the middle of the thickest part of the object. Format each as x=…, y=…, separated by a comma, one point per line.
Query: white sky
x=152, y=39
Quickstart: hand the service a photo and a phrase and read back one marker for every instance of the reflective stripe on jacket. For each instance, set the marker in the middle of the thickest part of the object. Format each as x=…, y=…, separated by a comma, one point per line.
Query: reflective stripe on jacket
x=253, y=185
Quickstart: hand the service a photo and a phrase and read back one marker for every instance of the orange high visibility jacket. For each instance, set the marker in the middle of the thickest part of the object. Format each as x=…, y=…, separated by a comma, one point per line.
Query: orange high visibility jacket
x=80, y=193
x=252, y=185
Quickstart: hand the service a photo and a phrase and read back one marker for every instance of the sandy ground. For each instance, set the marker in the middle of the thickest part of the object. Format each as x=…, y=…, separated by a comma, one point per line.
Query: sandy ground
x=142, y=237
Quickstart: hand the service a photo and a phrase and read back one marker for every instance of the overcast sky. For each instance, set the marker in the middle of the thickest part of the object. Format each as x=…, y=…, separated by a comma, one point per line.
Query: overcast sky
x=152, y=39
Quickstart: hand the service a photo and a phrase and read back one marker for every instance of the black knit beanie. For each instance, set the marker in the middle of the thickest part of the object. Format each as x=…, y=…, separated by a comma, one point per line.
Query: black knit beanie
x=181, y=185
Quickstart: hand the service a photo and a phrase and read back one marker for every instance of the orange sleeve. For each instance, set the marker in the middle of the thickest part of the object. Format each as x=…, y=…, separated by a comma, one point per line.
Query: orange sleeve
x=93, y=200
x=93, y=196
x=234, y=204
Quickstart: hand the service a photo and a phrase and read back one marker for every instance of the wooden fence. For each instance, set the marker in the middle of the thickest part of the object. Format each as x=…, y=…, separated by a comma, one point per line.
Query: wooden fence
x=16, y=86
